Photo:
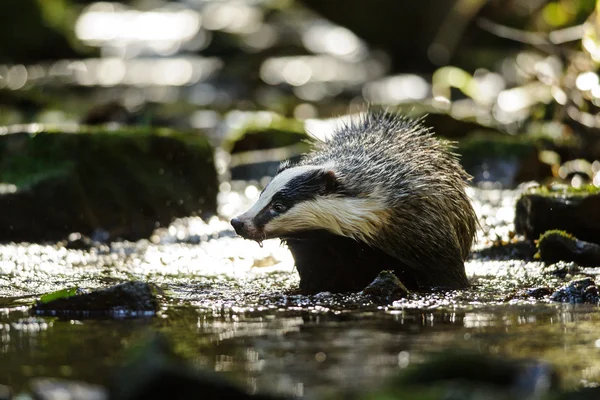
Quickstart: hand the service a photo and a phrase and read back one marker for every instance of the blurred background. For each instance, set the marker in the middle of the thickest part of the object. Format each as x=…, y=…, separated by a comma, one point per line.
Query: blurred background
x=185, y=108
x=520, y=74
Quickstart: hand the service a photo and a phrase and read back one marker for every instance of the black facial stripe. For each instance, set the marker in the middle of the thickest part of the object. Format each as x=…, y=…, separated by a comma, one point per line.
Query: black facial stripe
x=304, y=187
x=263, y=217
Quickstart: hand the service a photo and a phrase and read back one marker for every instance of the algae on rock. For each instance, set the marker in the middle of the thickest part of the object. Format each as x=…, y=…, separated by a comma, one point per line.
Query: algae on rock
x=126, y=181
x=574, y=210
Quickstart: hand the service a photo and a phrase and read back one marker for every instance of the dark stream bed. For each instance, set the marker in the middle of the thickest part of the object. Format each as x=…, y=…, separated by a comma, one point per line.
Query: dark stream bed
x=231, y=306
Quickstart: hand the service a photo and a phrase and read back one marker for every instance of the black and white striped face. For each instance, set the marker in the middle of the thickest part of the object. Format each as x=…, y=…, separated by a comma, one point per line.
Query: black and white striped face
x=290, y=203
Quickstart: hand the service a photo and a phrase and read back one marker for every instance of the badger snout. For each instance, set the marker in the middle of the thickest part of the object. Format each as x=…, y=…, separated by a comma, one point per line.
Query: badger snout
x=246, y=229
x=239, y=226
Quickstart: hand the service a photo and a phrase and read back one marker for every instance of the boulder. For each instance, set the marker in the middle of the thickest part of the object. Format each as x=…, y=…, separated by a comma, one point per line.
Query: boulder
x=577, y=211
x=125, y=182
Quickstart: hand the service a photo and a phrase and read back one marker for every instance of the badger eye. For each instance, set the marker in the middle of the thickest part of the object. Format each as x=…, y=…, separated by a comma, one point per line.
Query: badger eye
x=278, y=207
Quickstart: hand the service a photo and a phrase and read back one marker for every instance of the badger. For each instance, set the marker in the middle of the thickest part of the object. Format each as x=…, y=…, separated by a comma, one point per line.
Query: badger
x=381, y=194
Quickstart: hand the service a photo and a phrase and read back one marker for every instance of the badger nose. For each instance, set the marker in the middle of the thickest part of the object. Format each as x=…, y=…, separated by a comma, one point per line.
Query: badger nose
x=238, y=225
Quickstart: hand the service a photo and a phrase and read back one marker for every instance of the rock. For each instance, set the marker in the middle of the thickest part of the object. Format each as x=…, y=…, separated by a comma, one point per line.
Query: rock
x=459, y=375
x=386, y=287
x=537, y=293
x=52, y=389
x=124, y=182
x=77, y=241
x=576, y=211
x=155, y=372
x=557, y=245
x=577, y=291
x=130, y=299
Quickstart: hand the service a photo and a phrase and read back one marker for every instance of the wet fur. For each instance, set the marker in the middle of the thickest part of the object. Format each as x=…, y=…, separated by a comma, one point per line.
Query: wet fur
x=398, y=202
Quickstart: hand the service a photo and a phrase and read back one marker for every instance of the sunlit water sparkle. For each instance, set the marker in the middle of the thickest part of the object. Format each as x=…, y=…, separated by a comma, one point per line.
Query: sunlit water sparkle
x=232, y=306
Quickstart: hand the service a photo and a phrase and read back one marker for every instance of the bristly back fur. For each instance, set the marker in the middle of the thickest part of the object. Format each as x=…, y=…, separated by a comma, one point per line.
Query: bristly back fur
x=427, y=220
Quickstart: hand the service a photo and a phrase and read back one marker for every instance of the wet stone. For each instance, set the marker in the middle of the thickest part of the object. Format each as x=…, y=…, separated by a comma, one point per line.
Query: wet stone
x=386, y=288
x=77, y=241
x=537, y=293
x=576, y=211
x=156, y=372
x=459, y=375
x=130, y=299
x=558, y=245
x=578, y=291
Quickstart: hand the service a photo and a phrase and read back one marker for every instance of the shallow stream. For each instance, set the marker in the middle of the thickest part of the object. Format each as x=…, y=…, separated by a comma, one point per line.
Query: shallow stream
x=231, y=306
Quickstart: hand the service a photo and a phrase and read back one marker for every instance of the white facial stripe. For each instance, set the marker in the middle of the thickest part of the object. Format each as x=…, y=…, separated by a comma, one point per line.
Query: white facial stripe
x=359, y=219
x=276, y=184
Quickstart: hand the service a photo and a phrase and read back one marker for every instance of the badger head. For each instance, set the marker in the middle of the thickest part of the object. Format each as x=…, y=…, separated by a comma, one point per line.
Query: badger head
x=305, y=198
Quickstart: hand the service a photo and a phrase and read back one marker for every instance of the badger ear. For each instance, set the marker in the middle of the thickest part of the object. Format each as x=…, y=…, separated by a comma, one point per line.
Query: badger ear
x=331, y=181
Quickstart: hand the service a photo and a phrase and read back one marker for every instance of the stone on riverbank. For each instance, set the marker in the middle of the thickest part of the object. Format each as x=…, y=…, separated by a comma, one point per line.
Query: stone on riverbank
x=556, y=245
x=126, y=181
x=386, y=288
x=576, y=211
x=577, y=291
x=130, y=299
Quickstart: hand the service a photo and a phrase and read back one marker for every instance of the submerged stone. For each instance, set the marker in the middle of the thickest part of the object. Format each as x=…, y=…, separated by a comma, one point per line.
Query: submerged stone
x=576, y=211
x=556, y=245
x=156, y=372
x=578, y=291
x=386, y=287
x=130, y=299
x=125, y=182
x=459, y=375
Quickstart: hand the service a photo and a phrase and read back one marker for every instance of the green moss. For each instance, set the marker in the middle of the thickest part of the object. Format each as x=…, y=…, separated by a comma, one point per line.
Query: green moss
x=26, y=159
x=550, y=234
x=123, y=180
x=554, y=232
x=563, y=190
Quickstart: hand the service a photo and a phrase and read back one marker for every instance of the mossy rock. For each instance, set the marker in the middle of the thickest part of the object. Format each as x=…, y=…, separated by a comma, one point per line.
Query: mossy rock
x=574, y=210
x=126, y=181
x=556, y=245
x=129, y=299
